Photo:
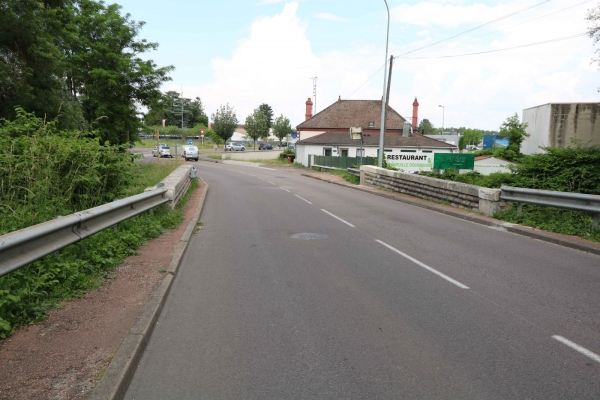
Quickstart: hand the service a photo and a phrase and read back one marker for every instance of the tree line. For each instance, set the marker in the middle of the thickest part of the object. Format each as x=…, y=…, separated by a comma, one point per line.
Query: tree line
x=258, y=124
x=77, y=61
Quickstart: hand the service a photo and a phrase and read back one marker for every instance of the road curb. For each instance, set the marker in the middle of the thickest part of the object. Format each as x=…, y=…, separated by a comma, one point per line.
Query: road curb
x=120, y=371
x=550, y=237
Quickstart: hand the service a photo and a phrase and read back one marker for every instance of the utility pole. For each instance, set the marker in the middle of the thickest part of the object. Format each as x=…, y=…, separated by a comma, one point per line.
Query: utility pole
x=314, y=79
x=181, y=106
x=387, y=96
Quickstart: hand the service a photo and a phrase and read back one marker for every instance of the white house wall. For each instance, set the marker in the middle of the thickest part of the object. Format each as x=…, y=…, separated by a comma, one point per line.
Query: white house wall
x=304, y=151
x=538, y=127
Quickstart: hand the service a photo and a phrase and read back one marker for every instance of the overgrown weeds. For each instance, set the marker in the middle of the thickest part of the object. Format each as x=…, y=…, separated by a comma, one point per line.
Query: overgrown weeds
x=46, y=172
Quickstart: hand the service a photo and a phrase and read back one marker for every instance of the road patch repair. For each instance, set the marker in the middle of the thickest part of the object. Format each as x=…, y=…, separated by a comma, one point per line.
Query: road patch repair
x=90, y=347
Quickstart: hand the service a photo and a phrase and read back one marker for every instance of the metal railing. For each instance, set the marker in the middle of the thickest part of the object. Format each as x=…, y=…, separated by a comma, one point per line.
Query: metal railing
x=567, y=200
x=24, y=246
x=342, y=162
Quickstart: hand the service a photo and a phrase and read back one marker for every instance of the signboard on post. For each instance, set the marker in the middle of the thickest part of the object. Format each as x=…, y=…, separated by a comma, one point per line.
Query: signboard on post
x=453, y=161
x=409, y=161
x=190, y=142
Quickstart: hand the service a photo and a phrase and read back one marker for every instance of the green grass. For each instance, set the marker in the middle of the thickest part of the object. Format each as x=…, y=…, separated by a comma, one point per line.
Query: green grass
x=344, y=174
x=215, y=156
x=26, y=293
x=568, y=222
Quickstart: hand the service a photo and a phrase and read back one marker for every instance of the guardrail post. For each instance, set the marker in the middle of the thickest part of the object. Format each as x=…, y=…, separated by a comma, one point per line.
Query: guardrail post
x=519, y=208
x=596, y=220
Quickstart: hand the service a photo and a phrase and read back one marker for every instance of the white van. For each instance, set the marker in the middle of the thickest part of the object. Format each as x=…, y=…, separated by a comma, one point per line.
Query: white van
x=190, y=153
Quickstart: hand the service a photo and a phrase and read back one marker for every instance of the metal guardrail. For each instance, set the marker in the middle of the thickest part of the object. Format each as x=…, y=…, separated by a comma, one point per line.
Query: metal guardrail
x=570, y=201
x=24, y=246
x=354, y=171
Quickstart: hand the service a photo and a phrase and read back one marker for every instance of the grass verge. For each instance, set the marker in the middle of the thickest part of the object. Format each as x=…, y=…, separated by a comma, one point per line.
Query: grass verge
x=344, y=174
x=567, y=222
x=26, y=294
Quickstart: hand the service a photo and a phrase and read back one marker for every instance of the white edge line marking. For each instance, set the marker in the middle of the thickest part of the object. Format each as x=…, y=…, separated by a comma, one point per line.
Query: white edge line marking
x=336, y=217
x=578, y=348
x=427, y=267
x=284, y=189
x=271, y=182
x=251, y=175
x=270, y=169
x=303, y=199
x=260, y=178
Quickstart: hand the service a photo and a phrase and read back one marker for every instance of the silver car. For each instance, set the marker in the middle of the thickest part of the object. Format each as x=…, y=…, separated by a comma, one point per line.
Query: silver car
x=236, y=146
x=161, y=151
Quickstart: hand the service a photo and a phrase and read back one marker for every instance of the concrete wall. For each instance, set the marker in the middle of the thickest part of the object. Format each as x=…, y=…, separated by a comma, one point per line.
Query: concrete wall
x=177, y=184
x=538, y=126
x=554, y=125
x=251, y=155
x=470, y=197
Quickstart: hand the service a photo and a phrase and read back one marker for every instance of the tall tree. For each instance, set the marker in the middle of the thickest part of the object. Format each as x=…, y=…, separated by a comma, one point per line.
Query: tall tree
x=515, y=131
x=256, y=124
x=281, y=128
x=224, y=121
x=426, y=128
x=470, y=137
x=78, y=59
x=31, y=61
x=170, y=107
x=107, y=72
x=268, y=112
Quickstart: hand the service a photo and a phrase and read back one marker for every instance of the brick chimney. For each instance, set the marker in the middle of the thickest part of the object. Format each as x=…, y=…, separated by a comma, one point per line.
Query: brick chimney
x=415, y=116
x=309, y=105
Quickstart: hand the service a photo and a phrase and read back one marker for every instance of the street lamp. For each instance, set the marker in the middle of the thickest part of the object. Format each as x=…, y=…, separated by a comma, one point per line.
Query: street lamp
x=382, y=131
x=443, y=112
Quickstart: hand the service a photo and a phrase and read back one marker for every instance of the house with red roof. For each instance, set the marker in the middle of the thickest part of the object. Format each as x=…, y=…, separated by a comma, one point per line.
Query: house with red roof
x=327, y=133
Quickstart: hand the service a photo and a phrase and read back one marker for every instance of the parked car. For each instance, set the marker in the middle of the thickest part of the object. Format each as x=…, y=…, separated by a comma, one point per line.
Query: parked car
x=162, y=151
x=190, y=153
x=237, y=147
x=292, y=145
x=228, y=146
x=265, y=146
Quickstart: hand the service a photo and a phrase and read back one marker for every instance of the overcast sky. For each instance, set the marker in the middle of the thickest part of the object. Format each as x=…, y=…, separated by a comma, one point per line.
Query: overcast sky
x=250, y=52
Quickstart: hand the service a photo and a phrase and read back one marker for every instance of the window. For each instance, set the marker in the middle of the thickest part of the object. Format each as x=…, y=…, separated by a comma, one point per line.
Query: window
x=408, y=151
x=327, y=152
x=427, y=151
x=344, y=152
x=360, y=152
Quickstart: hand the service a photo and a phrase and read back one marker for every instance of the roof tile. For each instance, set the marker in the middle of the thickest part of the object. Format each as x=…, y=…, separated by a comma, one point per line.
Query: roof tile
x=348, y=113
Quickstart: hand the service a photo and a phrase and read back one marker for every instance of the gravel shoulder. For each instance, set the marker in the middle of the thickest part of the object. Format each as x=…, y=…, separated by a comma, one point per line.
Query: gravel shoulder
x=66, y=355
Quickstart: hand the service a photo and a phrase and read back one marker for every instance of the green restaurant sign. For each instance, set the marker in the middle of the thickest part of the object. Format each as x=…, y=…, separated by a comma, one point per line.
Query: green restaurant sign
x=453, y=161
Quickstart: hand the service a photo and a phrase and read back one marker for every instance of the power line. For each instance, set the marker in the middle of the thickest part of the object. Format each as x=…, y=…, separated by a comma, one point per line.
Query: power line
x=520, y=23
x=367, y=81
x=494, y=51
x=479, y=26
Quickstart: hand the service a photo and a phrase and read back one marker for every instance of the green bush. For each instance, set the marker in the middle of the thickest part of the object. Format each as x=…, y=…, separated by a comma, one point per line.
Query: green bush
x=46, y=172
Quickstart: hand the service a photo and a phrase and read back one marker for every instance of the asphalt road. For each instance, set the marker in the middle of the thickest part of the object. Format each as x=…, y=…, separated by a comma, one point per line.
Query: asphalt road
x=296, y=288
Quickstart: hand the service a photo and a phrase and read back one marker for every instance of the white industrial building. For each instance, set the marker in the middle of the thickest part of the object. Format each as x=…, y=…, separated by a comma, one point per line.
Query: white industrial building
x=555, y=124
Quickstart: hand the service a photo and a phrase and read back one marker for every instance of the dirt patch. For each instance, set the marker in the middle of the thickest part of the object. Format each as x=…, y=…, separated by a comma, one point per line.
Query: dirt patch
x=65, y=356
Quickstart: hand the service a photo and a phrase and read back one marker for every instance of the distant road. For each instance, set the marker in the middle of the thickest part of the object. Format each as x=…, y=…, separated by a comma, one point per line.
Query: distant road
x=296, y=288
